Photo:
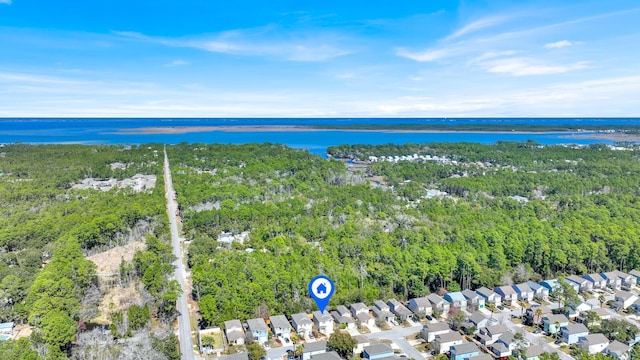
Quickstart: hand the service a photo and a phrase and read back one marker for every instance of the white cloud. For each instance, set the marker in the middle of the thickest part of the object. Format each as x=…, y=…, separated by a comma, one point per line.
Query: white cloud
x=175, y=63
x=264, y=41
x=559, y=44
x=476, y=26
x=425, y=56
x=492, y=55
x=526, y=67
x=8, y=2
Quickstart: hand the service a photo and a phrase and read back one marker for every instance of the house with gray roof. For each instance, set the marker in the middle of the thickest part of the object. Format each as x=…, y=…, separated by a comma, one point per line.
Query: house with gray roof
x=258, y=330
x=443, y=342
x=377, y=351
x=635, y=273
x=359, y=308
x=525, y=293
x=490, y=296
x=571, y=333
x=385, y=315
x=490, y=334
x=302, y=324
x=539, y=291
x=597, y=281
x=593, y=343
x=323, y=322
x=431, y=330
x=552, y=322
x=399, y=310
x=478, y=320
x=235, y=332
x=420, y=306
x=582, y=284
x=330, y=355
x=533, y=352
x=439, y=304
x=474, y=301
x=381, y=305
x=280, y=326
x=618, y=350
x=507, y=294
x=343, y=311
x=313, y=348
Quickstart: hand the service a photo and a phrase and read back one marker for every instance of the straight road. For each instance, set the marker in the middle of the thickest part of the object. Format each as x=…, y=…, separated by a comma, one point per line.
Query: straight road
x=184, y=323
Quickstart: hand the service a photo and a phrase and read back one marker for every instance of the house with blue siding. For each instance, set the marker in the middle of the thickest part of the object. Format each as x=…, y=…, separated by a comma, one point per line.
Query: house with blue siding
x=463, y=351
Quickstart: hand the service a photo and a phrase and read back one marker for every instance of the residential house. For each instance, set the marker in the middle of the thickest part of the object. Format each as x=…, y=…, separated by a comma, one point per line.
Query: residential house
x=552, y=323
x=524, y=291
x=501, y=350
x=384, y=315
x=399, y=310
x=359, y=308
x=377, y=351
x=361, y=342
x=612, y=280
x=625, y=298
x=302, y=324
x=491, y=334
x=478, y=320
x=507, y=294
x=636, y=305
x=628, y=280
x=456, y=299
x=508, y=339
x=329, y=355
x=618, y=350
x=463, y=351
x=364, y=319
x=596, y=280
x=571, y=333
x=579, y=283
x=420, y=306
x=551, y=285
x=235, y=332
x=534, y=317
x=601, y=313
x=280, y=326
x=6, y=328
x=323, y=322
x=489, y=296
x=258, y=330
x=474, y=301
x=539, y=292
x=343, y=311
x=313, y=348
x=439, y=304
x=381, y=305
x=533, y=352
x=593, y=344
x=430, y=331
x=344, y=322
x=636, y=274
x=443, y=342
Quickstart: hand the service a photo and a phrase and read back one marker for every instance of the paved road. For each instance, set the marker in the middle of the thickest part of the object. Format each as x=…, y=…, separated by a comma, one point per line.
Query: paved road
x=397, y=335
x=534, y=339
x=278, y=353
x=184, y=323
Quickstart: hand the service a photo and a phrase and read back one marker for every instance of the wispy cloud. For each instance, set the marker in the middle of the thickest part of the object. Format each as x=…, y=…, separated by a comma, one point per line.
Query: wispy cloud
x=526, y=67
x=175, y=63
x=561, y=44
x=270, y=41
x=425, y=56
x=8, y=2
x=477, y=26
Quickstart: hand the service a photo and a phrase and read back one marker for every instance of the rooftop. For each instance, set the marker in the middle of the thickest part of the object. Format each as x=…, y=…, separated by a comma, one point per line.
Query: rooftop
x=378, y=349
x=465, y=348
x=257, y=324
x=331, y=355
x=280, y=322
x=314, y=346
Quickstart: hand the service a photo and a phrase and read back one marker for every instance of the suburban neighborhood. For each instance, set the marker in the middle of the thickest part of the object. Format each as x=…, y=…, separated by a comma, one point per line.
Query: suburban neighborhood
x=555, y=317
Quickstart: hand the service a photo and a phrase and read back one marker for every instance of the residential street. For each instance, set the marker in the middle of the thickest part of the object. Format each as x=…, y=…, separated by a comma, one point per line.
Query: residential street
x=184, y=323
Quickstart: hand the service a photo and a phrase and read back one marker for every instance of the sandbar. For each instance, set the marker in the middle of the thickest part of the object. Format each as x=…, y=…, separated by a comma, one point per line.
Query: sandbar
x=300, y=128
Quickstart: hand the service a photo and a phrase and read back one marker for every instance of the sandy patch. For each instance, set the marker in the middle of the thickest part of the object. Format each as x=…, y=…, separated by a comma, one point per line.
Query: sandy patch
x=108, y=262
x=117, y=299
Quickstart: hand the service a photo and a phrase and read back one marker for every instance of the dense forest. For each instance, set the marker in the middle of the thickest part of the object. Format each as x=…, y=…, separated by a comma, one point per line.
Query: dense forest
x=49, y=225
x=473, y=215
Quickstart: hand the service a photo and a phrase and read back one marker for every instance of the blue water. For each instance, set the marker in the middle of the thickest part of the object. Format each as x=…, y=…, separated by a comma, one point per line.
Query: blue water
x=104, y=131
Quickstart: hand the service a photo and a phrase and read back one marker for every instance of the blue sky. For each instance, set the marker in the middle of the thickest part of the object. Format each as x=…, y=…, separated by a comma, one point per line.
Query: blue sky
x=405, y=58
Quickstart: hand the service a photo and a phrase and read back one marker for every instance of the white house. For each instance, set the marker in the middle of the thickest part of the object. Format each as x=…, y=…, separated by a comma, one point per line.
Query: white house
x=539, y=291
x=625, y=298
x=508, y=295
x=302, y=324
x=618, y=350
x=439, y=304
x=420, y=306
x=474, y=301
x=581, y=283
x=593, y=343
x=443, y=342
x=430, y=331
x=313, y=348
x=597, y=281
x=524, y=291
x=323, y=322
x=490, y=296
x=280, y=326
x=235, y=332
